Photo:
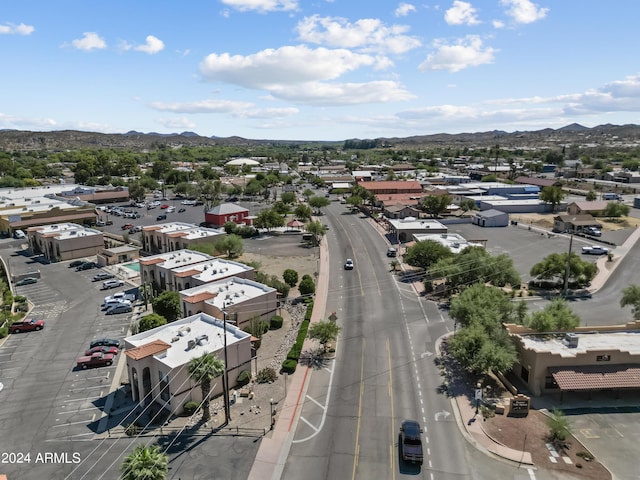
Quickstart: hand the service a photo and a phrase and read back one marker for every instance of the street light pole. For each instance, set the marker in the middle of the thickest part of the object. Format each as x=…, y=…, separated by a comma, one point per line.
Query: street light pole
x=272, y=413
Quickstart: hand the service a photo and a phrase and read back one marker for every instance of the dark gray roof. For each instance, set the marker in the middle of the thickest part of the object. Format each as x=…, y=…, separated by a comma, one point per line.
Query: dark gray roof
x=227, y=208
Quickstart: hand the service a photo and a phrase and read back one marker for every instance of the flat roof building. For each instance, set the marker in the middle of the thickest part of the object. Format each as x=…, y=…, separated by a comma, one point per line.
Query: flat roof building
x=171, y=236
x=158, y=270
x=209, y=271
x=64, y=241
x=405, y=228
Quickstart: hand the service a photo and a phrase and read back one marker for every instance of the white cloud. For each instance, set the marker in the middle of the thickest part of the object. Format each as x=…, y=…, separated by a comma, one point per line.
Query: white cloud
x=333, y=94
x=262, y=6
x=524, y=11
x=404, y=9
x=287, y=65
x=13, y=121
x=21, y=29
x=462, y=13
x=268, y=112
x=466, y=52
x=153, y=45
x=89, y=41
x=367, y=34
x=203, y=106
x=497, y=24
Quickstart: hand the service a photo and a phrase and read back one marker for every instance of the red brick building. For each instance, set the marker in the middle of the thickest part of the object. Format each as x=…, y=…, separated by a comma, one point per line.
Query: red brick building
x=227, y=212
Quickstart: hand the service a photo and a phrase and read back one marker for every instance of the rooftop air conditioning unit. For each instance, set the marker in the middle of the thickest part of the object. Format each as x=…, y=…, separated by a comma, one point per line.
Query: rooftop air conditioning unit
x=202, y=339
x=237, y=294
x=571, y=340
x=191, y=344
x=175, y=339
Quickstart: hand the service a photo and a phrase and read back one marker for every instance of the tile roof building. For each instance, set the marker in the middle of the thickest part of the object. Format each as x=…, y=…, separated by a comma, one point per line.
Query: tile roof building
x=587, y=359
x=157, y=360
x=171, y=236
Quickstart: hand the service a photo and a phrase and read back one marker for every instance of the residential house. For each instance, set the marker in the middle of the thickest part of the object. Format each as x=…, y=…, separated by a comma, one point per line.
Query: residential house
x=592, y=208
x=574, y=223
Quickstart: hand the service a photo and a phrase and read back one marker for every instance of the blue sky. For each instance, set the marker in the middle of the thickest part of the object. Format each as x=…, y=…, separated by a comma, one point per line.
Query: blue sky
x=317, y=70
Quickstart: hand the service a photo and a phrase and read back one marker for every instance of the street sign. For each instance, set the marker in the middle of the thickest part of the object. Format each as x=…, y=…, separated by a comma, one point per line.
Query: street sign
x=478, y=394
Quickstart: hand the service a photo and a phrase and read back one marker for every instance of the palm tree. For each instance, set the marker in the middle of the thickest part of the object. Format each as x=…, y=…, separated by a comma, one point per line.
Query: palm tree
x=203, y=370
x=145, y=463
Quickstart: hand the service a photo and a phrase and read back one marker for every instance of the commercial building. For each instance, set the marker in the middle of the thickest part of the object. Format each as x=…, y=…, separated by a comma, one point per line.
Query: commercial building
x=64, y=241
x=172, y=236
x=585, y=360
x=214, y=270
x=453, y=241
x=239, y=298
x=158, y=359
x=404, y=229
x=158, y=270
x=227, y=212
x=491, y=218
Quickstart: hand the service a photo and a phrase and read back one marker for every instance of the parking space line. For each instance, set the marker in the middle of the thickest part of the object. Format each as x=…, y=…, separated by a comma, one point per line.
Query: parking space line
x=84, y=399
x=85, y=388
x=75, y=411
x=70, y=423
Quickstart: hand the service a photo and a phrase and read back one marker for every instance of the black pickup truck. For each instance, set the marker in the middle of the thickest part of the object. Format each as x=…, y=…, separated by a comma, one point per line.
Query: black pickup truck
x=411, y=442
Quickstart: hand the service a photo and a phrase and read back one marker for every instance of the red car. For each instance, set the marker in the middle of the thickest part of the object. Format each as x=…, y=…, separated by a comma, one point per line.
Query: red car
x=28, y=325
x=98, y=359
x=102, y=349
x=164, y=206
x=127, y=226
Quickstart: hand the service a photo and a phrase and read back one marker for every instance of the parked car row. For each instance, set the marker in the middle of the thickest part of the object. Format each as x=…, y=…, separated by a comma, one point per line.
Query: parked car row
x=101, y=352
x=117, y=303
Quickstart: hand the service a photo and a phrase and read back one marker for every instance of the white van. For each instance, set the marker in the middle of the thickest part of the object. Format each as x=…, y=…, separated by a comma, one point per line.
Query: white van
x=611, y=196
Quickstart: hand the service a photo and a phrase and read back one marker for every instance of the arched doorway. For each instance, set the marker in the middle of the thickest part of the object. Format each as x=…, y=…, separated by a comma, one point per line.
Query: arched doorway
x=146, y=385
x=135, y=389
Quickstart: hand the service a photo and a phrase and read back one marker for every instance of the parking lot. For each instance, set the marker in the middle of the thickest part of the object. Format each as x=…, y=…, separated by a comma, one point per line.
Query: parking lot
x=49, y=403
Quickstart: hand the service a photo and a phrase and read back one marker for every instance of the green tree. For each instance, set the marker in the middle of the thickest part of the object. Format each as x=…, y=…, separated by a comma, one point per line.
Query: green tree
x=280, y=207
x=324, y=333
x=307, y=194
x=424, y=254
x=479, y=351
x=167, y=305
x=355, y=201
x=483, y=305
x=136, y=191
x=307, y=286
x=232, y=245
x=560, y=428
x=554, y=266
x=290, y=277
x=631, y=296
x=615, y=210
x=435, y=205
x=204, y=370
x=145, y=463
x=302, y=211
x=467, y=204
x=316, y=229
x=317, y=203
x=288, y=197
x=268, y=218
x=150, y=321
x=591, y=196
x=552, y=195
x=555, y=316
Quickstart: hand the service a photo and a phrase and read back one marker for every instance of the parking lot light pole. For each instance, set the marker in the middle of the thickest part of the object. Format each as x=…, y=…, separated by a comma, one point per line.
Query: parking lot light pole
x=273, y=413
x=567, y=269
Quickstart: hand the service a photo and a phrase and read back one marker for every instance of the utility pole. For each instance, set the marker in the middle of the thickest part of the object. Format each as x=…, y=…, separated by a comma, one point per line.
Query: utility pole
x=568, y=267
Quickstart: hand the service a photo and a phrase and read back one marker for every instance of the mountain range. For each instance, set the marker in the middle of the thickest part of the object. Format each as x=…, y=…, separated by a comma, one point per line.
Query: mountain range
x=599, y=136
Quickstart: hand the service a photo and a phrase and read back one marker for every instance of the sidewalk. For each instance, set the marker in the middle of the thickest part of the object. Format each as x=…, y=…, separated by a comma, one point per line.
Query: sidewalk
x=274, y=450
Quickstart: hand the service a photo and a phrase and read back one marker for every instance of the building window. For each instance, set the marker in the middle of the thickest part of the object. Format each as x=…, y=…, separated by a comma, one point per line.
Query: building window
x=164, y=386
x=603, y=358
x=524, y=373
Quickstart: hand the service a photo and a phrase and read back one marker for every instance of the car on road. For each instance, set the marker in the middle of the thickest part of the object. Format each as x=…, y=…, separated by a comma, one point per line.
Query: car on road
x=411, y=442
x=122, y=307
x=392, y=252
x=104, y=342
x=26, y=281
x=164, y=207
x=76, y=263
x=29, y=325
x=161, y=217
x=191, y=202
x=98, y=359
x=595, y=250
x=348, y=265
x=101, y=223
x=87, y=266
x=126, y=226
x=181, y=210
x=102, y=349
x=102, y=276
x=171, y=209
x=112, y=284
x=135, y=229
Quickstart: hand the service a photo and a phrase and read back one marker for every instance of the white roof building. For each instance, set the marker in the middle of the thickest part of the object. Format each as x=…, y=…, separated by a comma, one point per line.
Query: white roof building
x=210, y=271
x=456, y=243
x=157, y=360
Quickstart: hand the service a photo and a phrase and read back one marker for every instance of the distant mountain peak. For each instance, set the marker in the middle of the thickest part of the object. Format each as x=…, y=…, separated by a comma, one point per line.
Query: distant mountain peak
x=574, y=127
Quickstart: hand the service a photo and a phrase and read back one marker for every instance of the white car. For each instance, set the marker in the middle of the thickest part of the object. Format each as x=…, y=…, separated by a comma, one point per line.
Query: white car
x=188, y=202
x=595, y=250
x=348, y=265
x=112, y=284
x=171, y=209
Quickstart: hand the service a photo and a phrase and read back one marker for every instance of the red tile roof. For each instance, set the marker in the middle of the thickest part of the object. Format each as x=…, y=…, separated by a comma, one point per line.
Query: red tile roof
x=200, y=297
x=596, y=377
x=146, y=350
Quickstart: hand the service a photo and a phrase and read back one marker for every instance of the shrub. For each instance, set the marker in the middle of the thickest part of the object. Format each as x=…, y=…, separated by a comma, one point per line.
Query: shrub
x=4, y=331
x=289, y=366
x=290, y=277
x=244, y=377
x=307, y=286
x=266, y=375
x=20, y=299
x=190, y=407
x=276, y=322
x=132, y=430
